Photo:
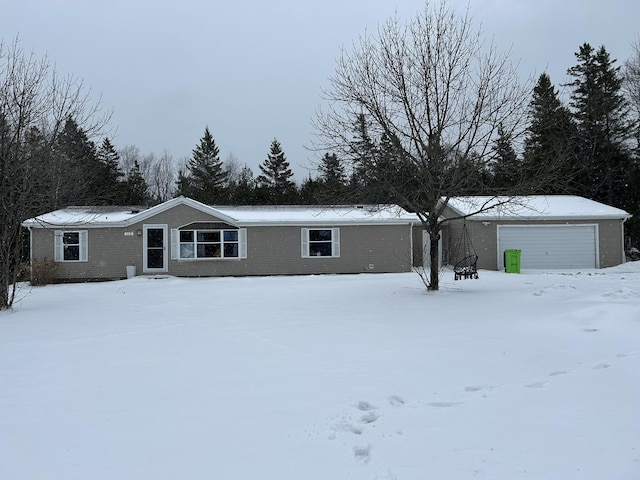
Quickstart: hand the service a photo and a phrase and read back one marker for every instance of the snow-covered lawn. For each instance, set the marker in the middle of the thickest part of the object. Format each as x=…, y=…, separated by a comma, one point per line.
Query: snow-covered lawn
x=531, y=376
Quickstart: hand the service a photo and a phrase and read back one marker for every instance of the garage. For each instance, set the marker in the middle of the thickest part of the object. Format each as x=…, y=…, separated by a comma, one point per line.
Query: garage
x=552, y=231
x=550, y=246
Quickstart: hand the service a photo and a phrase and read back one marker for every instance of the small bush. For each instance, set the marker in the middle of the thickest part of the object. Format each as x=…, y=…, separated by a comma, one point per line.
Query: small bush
x=43, y=271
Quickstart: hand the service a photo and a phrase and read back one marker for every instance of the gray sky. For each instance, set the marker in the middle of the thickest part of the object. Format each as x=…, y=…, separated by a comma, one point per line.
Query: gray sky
x=253, y=70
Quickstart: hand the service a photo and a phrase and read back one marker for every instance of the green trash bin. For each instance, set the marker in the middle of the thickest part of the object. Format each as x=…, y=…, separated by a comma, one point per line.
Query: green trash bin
x=512, y=261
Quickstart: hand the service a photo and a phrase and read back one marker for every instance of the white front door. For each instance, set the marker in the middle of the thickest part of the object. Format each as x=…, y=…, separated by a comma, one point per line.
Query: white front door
x=154, y=255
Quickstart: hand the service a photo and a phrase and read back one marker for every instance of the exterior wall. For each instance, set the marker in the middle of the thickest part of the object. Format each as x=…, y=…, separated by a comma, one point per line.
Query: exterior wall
x=421, y=251
x=485, y=239
x=271, y=250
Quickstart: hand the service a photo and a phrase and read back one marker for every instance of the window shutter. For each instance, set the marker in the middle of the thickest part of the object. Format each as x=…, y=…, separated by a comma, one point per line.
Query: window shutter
x=242, y=243
x=175, y=244
x=57, y=246
x=335, y=242
x=305, y=242
x=84, y=245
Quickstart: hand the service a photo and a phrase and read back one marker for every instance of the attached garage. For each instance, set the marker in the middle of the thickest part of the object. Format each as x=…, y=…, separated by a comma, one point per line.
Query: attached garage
x=552, y=231
x=550, y=246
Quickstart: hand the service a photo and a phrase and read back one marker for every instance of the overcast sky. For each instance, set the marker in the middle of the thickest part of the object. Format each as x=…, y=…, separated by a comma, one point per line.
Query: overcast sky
x=253, y=70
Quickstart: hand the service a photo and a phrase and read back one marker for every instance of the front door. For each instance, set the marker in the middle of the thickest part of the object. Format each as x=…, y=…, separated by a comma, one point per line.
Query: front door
x=155, y=248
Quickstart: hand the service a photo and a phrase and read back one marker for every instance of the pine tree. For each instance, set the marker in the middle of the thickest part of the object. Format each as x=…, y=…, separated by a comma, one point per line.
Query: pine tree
x=244, y=189
x=550, y=147
x=111, y=190
x=206, y=177
x=275, y=181
x=311, y=192
x=507, y=169
x=363, y=152
x=330, y=187
x=135, y=187
x=600, y=112
x=75, y=172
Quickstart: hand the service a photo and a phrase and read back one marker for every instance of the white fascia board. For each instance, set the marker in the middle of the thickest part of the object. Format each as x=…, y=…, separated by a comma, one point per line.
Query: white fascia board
x=163, y=207
x=538, y=218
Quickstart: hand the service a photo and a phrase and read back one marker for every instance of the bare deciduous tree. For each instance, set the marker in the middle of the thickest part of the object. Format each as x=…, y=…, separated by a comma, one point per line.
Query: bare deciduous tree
x=33, y=98
x=438, y=94
x=162, y=177
x=632, y=88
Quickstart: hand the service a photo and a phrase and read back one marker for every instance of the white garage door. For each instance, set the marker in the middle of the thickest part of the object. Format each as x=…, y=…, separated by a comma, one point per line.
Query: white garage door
x=549, y=247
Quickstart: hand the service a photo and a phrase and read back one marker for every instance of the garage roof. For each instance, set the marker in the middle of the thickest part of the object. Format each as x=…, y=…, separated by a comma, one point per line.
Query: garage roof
x=534, y=207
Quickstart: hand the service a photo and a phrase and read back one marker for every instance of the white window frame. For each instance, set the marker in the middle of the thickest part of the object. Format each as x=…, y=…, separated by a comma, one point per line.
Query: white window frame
x=176, y=250
x=306, y=243
x=83, y=245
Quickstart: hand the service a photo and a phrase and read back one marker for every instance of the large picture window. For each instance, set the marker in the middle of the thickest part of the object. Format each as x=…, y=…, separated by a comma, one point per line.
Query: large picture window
x=208, y=244
x=320, y=242
x=70, y=246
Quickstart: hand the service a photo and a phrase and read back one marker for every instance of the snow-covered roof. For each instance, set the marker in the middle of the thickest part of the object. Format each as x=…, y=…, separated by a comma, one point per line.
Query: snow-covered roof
x=91, y=215
x=532, y=207
x=241, y=216
x=317, y=214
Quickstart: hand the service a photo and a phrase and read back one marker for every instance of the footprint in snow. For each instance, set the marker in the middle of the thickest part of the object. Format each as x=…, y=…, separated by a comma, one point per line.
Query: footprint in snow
x=395, y=401
x=536, y=385
x=369, y=417
x=444, y=404
x=362, y=453
x=355, y=429
x=473, y=388
x=601, y=366
x=365, y=406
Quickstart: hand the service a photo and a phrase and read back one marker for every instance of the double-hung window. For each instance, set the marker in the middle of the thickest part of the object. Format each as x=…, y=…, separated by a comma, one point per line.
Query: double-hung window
x=70, y=246
x=208, y=244
x=320, y=242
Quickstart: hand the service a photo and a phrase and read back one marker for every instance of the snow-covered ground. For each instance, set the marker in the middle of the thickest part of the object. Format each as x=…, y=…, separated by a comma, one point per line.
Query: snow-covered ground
x=531, y=376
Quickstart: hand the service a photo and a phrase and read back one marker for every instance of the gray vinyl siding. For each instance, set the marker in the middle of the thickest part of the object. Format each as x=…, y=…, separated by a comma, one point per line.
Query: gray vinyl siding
x=485, y=239
x=109, y=252
x=271, y=250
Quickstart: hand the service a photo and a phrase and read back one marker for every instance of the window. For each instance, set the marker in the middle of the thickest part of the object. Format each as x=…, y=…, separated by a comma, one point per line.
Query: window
x=320, y=242
x=70, y=246
x=208, y=244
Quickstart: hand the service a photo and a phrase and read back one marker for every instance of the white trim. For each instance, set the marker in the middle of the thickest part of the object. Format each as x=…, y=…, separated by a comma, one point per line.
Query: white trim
x=242, y=243
x=165, y=260
x=58, y=245
x=175, y=244
x=335, y=242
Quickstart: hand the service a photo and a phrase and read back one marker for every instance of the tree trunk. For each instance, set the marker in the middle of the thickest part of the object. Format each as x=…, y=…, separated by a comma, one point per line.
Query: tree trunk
x=434, y=253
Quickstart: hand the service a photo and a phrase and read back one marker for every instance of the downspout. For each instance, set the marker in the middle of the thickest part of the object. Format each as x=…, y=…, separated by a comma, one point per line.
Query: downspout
x=411, y=251
x=624, y=256
x=30, y=252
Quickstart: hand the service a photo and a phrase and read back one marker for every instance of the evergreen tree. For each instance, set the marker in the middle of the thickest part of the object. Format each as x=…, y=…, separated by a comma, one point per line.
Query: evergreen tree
x=600, y=112
x=110, y=188
x=363, y=153
x=75, y=172
x=550, y=147
x=507, y=170
x=206, y=177
x=275, y=181
x=331, y=185
x=135, y=187
x=311, y=192
x=243, y=191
